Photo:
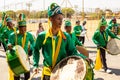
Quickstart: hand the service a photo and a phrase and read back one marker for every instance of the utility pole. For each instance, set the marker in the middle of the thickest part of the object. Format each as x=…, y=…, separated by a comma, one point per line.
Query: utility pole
x=29, y=5
x=83, y=14
x=66, y=6
x=4, y=5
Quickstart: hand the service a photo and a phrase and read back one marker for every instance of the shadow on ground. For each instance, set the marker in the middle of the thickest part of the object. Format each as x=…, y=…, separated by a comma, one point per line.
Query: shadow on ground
x=1, y=56
x=115, y=71
x=38, y=78
x=99, y=79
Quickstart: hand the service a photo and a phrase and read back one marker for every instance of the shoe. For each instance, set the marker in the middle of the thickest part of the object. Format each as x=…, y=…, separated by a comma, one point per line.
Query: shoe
x=108, y=71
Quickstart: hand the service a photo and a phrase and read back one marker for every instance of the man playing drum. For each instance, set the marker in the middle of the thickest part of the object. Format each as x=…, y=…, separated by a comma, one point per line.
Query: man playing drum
x=75, y=40
x=113, y=26
x=55, y=44
x=6, y=33
x=21, y=38
x=100, y=38
x=3, y=28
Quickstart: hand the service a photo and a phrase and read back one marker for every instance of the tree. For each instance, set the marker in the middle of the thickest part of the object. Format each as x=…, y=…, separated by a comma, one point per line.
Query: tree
x=11, y=13
x=68, y=12
x=108, y=13
x=99, y=12
x=26, y=12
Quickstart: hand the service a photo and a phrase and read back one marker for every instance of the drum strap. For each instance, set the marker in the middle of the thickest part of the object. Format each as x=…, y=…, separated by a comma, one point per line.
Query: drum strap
x=23, y=40
x=56, y=52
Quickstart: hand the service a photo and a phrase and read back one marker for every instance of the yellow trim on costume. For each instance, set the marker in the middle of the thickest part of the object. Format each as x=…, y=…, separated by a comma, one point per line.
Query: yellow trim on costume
x=23, y=40
x=53, y=49
x=104, y=36
x=56, y=52
x=47, y=70
x=77, y=35
x=11, y=74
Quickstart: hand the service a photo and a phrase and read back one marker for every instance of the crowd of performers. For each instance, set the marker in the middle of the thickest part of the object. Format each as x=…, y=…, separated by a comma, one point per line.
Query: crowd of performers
x=55, y=44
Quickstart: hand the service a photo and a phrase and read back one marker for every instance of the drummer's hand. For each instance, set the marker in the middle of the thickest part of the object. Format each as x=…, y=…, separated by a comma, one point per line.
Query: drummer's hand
x=89, y=60
x=36, y=70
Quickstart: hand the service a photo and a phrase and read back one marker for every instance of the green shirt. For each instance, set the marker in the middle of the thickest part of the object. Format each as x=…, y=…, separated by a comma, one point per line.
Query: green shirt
x=110, y=26
x=2, y=29
x=75, y=40
x=66, y=49
x=29, y=38
x=101, y=39
x=78, y=30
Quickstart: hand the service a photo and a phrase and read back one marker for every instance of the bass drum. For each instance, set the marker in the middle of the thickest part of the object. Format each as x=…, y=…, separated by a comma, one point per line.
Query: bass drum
x=113, y=46
x=18, y=60
x=72, y=68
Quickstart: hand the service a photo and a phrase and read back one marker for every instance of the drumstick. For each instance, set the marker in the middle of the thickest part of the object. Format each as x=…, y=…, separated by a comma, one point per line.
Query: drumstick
x=105, y=49
x=32, y=76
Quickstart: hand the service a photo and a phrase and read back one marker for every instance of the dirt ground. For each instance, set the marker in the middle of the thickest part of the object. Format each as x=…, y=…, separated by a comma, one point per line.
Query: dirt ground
x=112, y=61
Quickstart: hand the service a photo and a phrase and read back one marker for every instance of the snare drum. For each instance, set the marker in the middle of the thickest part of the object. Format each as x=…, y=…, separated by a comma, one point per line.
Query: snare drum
x=18, y=60
x=72, y=68
x=114, y=46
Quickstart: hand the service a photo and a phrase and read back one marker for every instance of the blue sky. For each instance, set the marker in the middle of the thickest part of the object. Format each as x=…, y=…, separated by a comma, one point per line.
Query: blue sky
x=38, y=4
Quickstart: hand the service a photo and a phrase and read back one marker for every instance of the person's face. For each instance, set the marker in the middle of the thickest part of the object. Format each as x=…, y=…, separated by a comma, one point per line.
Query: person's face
x=10, y=24
x=22, y=30
x=20, y=16
x=68, y=29
x=57, y=20
x=102, y=28
x=78, y=23
x=114, y=21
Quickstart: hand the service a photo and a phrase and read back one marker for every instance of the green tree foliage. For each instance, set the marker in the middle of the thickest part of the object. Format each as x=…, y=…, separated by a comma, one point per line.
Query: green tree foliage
x=26, y=12
x=68, y=12
x=11, y=13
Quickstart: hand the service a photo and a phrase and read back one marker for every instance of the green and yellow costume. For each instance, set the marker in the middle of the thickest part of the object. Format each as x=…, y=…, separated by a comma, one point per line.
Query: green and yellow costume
x=54, y=48
x=113, y=26
x=6, y=31
x=73, y=35
x=20, y=39
x=78, y=30
x=100, y=38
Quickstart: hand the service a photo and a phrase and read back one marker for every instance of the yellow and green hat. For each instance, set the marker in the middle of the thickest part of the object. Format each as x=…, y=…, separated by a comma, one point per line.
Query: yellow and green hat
x=54, y=9
x=103, y=22
x=67, y=23
x=8, y=19
x=22, y=23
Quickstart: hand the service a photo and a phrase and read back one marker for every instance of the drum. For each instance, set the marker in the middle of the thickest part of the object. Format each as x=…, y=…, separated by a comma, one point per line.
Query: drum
x=18, y=60
x=72, y=68
x=113, y=46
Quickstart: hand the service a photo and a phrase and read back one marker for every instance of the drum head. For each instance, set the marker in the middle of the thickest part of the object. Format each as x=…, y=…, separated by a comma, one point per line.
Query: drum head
x=114, y=46
x=70, y=68
x=22, y=57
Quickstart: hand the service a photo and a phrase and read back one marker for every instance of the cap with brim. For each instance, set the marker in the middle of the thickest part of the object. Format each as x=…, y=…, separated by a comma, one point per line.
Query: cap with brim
x=8, y=19
x=22, y=23
x=67, y=23
x=54, y=9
